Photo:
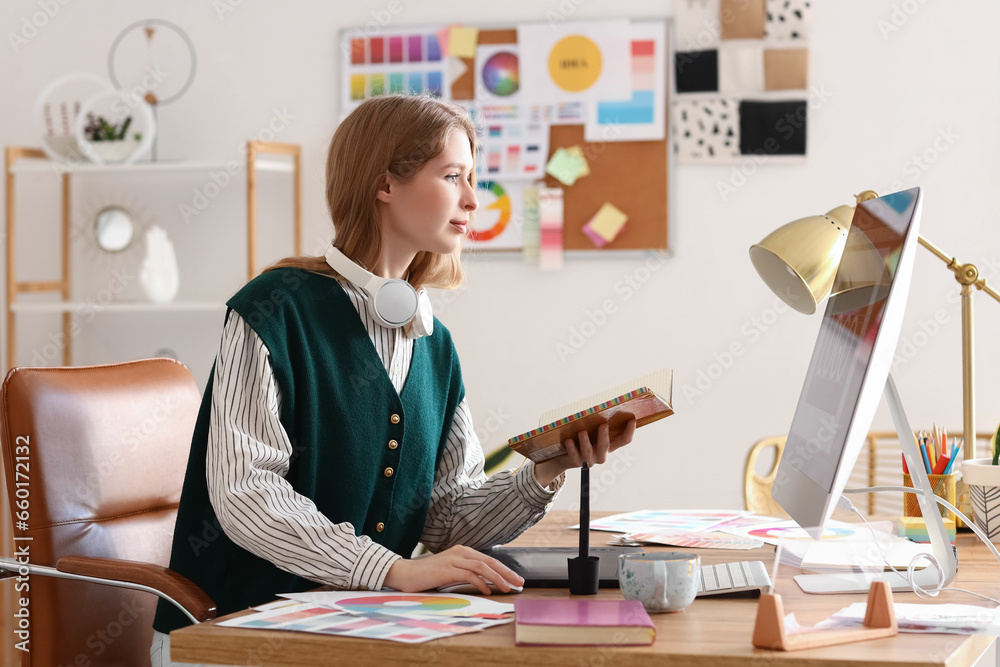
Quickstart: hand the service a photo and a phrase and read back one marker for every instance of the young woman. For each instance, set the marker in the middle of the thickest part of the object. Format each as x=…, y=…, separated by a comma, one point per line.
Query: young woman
x=331, y=440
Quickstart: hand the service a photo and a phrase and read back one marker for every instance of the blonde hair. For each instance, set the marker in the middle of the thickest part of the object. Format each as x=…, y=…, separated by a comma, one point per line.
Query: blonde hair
x=397, y=135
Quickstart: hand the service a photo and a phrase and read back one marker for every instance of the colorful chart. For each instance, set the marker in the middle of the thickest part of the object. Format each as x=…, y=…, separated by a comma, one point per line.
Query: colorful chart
x=698, y=540
x=501, y=204
x=500, y=74
x=794, y=533
x=420, y=603
x=393, y=64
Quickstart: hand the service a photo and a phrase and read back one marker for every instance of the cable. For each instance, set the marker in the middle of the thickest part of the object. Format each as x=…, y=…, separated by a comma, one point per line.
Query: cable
x=940, y=501
x=920, y=591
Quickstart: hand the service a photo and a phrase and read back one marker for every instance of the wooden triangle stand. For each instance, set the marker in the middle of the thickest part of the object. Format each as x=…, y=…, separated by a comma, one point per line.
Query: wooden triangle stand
x=769, y=630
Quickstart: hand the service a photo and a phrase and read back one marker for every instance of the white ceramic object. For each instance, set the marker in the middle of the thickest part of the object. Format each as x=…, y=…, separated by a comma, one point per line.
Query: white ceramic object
x=661, y=581
x=114, y=152
x=159, y=275
x=983, y=479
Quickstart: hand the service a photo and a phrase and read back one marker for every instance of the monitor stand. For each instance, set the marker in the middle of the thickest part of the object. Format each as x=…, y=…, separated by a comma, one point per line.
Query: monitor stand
x=940, y=545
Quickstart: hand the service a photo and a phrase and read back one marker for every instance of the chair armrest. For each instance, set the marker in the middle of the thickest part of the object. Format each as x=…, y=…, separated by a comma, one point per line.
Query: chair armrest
x=177, y=586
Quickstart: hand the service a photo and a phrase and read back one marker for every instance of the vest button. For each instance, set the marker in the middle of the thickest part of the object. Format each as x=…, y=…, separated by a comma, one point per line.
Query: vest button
x=393, y=444
x=388, y=472
x=394, y=419
x=380, y=526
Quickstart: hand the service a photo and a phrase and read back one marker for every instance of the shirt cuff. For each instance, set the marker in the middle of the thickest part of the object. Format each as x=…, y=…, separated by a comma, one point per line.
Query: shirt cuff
x=531, y=490
x=371, y=568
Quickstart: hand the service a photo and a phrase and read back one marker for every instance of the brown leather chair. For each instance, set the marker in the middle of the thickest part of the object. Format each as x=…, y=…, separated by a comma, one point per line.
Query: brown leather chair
x=94, y=459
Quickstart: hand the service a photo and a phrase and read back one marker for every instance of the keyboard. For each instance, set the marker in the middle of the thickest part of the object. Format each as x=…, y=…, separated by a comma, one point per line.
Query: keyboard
x=747, y=575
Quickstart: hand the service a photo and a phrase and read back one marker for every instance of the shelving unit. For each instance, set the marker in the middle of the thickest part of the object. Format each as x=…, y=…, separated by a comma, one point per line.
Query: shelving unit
x=261, y=157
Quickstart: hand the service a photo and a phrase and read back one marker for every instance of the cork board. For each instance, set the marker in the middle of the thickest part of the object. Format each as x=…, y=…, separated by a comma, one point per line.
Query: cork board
x=632, y=175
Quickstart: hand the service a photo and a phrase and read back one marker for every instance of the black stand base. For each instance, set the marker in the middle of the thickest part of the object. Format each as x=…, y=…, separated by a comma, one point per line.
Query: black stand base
x=584, y=574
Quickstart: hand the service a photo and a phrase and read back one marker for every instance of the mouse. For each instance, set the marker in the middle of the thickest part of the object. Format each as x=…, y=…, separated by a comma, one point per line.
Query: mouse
x=465, y=588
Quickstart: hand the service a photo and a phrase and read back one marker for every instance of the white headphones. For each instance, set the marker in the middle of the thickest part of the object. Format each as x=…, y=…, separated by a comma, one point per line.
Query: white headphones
x=394, y=302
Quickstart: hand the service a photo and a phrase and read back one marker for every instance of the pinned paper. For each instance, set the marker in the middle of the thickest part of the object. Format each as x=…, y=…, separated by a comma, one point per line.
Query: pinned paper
x=741, y=68
x=456, y=68
x=604, y=227
x=443, y=36
x=567, y=165
x=786, y=69
x=530, y=230
x=742, y=19
x=577, y=152
x=462, y=42
x=550, y=217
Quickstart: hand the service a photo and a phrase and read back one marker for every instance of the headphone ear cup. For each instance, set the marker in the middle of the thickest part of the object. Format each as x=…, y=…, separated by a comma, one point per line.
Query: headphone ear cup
x=395, y=302
x=423, y=321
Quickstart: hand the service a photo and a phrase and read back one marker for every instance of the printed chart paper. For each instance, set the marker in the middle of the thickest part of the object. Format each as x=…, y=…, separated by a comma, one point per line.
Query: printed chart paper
x=499, y=222
x=305, y=617
x=576, y=60
x=693, y=540
x=640, y=116
x=408, y=61
x=660, y=521
x=422, y=604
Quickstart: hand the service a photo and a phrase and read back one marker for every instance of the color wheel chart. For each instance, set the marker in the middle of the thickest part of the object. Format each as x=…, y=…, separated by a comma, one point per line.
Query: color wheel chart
x=500, y=74
x=498, y=221
x=409, y=603
x=387, y=64
x=798, y=534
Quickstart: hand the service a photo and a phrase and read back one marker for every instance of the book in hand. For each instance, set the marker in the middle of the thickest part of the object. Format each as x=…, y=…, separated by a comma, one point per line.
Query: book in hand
x=646, y=398
x=574, y=622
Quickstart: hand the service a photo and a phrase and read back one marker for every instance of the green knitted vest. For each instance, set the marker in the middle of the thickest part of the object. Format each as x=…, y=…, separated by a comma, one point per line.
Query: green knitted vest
x=337, y=408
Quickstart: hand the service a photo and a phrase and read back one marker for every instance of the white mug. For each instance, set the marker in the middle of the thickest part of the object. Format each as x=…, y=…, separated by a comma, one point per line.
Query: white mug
x=662, y=581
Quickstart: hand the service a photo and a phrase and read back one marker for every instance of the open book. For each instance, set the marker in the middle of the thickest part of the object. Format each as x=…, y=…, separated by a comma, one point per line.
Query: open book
x=646, y=398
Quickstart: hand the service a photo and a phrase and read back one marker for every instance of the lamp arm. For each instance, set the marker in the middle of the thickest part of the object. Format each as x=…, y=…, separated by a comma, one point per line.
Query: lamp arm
x=966, y=274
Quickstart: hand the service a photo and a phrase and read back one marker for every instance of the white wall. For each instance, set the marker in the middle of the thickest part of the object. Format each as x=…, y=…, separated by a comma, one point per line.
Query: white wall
x=883, y=98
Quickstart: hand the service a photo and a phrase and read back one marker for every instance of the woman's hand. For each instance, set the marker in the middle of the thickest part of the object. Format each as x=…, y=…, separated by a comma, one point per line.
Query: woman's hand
x=457, y=564
x=580, y=451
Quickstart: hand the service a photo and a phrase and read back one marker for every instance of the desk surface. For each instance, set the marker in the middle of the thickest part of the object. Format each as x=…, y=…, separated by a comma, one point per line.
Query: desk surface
x=710, y=632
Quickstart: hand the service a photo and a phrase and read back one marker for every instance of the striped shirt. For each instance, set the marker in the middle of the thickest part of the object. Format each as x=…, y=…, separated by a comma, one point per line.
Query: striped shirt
x=248, y=458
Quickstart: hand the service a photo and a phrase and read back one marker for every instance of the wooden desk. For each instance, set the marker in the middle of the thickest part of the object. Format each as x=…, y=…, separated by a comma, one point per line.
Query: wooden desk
x=712, y=632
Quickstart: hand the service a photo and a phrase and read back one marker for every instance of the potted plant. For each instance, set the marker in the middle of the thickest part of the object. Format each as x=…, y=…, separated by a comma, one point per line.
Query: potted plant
x=109, y=140
x=983, y=478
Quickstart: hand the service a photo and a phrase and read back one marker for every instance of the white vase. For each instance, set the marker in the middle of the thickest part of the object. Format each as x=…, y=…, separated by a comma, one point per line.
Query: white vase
x=983, y=479
x=159, y=274
x=113, y=152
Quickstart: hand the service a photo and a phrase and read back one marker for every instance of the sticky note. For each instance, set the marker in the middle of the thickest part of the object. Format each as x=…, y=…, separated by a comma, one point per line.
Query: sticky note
x=567, y=166
x=462, y=42
x=605, y=225
x=577, y=152
x=442, y=36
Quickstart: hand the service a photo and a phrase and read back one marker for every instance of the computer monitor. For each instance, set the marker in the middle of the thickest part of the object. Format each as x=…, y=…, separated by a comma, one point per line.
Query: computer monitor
x=850, y=364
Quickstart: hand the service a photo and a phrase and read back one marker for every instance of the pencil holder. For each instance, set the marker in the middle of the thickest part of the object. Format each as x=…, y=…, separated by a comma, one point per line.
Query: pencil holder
x=942, y=485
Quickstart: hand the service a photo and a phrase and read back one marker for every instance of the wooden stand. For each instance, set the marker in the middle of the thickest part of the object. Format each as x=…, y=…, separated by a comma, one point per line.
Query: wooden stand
x=769, y=629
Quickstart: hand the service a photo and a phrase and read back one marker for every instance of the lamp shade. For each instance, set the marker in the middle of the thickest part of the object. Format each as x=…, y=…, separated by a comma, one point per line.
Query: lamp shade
x=799, y=260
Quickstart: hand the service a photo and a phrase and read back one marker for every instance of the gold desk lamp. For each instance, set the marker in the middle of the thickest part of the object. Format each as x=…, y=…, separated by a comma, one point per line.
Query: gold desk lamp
x=799, y=262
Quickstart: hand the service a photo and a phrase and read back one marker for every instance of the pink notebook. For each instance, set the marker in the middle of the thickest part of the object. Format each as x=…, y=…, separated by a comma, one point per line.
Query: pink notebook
x=582, y=622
